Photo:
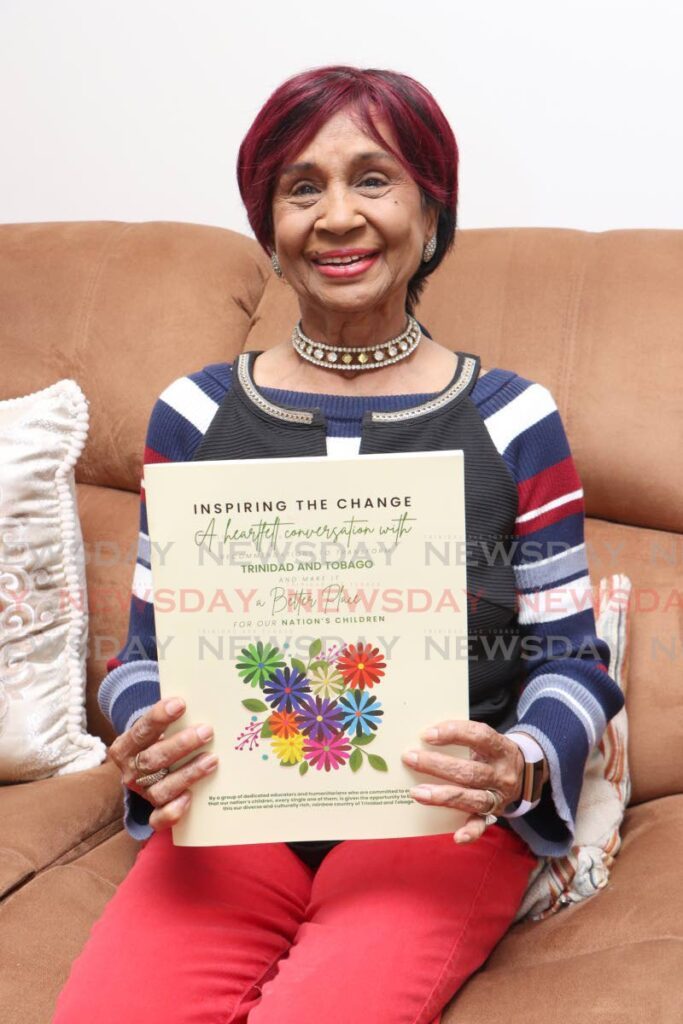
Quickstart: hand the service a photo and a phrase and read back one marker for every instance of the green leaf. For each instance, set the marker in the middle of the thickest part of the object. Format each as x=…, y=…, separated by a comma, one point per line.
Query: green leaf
x=303, y=767
x=251, y=704
x=356, y=760
x=362, y=741
x=378, y=763
x=315, y=648
x=299, y=666
x=266, y=731
x=322, y=666
x=287, y=764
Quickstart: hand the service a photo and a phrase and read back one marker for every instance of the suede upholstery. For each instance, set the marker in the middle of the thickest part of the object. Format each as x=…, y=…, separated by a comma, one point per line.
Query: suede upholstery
x=124, y=309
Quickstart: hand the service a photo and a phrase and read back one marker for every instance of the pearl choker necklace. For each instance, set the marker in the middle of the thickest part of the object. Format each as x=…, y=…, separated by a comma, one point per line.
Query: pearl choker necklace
x=368, y=357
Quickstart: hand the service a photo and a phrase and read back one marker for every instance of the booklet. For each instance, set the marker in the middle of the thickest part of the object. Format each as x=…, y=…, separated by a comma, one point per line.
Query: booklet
x=314, y=612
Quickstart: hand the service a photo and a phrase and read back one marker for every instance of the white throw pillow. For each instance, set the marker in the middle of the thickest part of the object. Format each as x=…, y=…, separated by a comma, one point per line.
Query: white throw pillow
x=43, y=603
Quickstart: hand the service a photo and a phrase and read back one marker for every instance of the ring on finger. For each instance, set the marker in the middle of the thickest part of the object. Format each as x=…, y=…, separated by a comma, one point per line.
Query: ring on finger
x=148, y=780
x=497, y=803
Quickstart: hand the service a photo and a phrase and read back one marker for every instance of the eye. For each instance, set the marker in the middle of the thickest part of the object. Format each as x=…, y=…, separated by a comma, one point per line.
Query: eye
x=371, y=178
x=298, y=190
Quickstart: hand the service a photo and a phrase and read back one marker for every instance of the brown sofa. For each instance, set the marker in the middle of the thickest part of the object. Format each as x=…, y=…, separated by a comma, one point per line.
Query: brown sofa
x=126, y=308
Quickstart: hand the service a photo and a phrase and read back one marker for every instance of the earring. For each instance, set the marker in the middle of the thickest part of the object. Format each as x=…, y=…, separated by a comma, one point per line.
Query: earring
x=276, y=263
x=429, y=249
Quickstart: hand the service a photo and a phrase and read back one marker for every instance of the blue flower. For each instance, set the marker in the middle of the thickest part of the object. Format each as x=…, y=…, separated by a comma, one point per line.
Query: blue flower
x=361, y=712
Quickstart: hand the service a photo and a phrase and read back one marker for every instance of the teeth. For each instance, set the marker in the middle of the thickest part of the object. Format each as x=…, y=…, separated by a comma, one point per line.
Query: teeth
x=340, y=260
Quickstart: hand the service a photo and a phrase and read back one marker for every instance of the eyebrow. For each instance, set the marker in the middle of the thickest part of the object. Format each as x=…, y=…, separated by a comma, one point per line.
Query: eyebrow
x=309, y=165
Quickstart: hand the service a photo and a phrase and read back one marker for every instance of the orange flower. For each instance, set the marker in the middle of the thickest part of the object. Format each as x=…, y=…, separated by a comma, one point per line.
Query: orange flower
x=361, y=665
x=283, y=723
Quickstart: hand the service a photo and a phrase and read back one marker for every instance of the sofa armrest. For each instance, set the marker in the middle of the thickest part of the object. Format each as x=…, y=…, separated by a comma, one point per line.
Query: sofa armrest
x=56, y=820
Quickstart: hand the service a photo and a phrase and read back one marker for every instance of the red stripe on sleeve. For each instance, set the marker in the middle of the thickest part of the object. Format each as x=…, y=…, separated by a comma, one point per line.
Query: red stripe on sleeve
x=553, y=515
x=549, y=484
x=151, y=455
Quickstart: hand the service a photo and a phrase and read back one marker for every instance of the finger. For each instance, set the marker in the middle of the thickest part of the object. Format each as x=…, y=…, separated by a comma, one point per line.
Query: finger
x=477, y=735
x=146, y=730
x=473, y=829
x=171, y=813
x=172, y=785
x=165, y=753
x=474, y=800
x=470, y=773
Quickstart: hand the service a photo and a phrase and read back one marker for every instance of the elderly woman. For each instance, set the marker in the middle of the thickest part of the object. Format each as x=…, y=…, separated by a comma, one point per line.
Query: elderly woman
x=349, y=177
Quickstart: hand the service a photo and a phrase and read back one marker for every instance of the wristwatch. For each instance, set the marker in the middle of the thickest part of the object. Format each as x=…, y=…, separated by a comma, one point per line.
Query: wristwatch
x=535, y=774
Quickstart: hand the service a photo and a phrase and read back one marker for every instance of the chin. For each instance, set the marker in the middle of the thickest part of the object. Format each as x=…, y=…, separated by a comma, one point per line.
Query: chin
x=350, y=298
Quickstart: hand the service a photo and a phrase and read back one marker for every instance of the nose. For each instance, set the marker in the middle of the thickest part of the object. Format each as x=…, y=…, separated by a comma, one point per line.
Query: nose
x=339, y=211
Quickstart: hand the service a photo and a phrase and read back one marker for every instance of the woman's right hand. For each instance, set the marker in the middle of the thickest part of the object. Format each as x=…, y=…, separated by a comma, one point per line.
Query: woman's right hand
x=171, y=795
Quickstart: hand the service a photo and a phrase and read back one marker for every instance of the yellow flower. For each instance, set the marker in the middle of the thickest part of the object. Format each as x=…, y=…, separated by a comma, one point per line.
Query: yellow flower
x=289, y=749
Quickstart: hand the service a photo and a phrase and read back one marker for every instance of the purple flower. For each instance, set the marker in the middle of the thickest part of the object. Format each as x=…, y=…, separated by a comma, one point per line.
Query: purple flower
x=287, y=690
x=319, y=717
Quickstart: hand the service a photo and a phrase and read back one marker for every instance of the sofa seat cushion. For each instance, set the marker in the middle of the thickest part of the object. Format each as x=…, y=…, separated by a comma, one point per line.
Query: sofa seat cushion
x=45, y=924
x=55, y=820
x=616, y=957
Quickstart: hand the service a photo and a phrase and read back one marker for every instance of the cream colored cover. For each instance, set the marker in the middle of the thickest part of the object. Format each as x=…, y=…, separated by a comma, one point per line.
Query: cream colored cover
x=43, y=599
x=314, y=611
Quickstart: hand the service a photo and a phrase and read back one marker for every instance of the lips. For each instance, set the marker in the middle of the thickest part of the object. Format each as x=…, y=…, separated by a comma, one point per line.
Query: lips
x=345, y=263
x=343, y=257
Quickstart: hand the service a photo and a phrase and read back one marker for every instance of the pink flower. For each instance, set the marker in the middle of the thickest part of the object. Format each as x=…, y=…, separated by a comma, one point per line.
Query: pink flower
x=332, y=752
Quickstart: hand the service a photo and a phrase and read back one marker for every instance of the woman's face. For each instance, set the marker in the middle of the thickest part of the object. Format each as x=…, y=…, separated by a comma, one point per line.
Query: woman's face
x=350, y=225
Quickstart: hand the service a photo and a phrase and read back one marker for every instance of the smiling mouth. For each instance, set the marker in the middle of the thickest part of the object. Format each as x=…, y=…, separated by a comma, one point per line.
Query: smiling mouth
x=342, y=261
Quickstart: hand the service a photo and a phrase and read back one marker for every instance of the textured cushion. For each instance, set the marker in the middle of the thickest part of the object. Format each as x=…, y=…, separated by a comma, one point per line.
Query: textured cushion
x=43, y=605
x=559, y=881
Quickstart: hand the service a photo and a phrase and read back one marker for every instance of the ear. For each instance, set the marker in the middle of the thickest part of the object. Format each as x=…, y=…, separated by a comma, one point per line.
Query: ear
x=431, y=220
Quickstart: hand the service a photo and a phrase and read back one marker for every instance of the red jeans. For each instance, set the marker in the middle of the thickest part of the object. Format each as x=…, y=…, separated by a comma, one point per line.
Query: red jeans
x=384, y=932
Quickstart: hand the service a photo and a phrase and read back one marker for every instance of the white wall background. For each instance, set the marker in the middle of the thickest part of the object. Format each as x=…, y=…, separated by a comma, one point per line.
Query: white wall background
x=567, y=112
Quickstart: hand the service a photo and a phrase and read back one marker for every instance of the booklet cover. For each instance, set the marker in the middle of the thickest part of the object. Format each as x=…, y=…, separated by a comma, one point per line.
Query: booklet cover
x=314, y=612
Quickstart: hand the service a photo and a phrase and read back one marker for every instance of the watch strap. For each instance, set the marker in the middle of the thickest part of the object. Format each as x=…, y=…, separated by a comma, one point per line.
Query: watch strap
x=532, y=785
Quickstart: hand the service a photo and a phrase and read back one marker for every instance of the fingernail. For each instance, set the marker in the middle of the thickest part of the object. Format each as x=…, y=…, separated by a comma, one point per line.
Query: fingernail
x=205, y=733
x=463, y=839
x=429, y=734
x=410, y=757
x=208, y=762
x=174, y=707
x=422, y=791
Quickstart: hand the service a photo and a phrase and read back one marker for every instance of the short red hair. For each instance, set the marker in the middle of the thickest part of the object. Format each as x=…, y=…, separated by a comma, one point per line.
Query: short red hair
x=292, y=116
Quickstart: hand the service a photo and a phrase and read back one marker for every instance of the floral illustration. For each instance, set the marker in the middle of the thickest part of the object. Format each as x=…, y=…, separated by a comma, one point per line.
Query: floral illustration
x=258, y=662
x=326, y=679
x=287, y=689
x=332, y=752
x=316, y=713
x=361, y=712
x=320, y=718
x=361, y=665
x=289, y=750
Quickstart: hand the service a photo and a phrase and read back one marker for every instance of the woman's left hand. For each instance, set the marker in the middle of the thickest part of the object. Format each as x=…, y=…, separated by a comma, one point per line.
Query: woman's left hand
x=496, y=763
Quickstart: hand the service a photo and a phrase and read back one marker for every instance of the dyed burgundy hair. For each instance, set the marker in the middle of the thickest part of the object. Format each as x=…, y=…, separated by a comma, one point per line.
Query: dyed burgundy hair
x=298, y=109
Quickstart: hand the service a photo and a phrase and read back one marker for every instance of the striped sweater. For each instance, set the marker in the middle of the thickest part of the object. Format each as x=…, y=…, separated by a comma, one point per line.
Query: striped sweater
x=567, y=696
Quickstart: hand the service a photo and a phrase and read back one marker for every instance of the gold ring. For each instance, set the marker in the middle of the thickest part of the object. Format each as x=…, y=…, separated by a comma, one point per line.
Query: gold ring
x=496, y=804
x=148, y=780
